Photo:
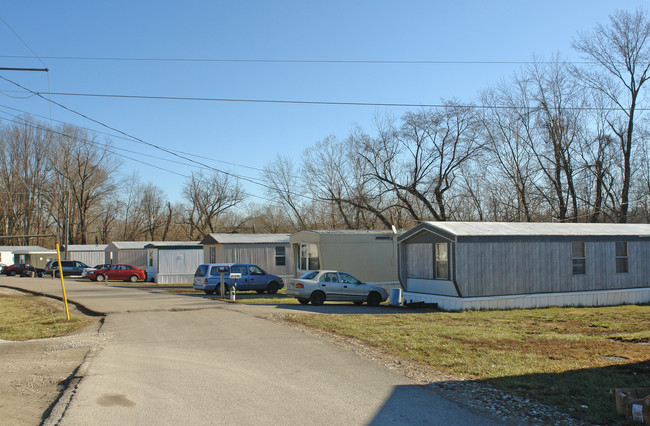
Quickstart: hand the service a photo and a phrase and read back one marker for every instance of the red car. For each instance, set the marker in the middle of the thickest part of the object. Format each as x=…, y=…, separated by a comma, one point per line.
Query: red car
x=119, y=272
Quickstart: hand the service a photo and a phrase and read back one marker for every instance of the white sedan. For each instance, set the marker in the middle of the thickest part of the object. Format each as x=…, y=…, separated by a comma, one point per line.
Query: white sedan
x=320, y=286
x=85, y=272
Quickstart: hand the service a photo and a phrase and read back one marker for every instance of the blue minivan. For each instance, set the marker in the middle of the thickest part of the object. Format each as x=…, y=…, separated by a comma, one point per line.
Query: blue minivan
x=208, y=277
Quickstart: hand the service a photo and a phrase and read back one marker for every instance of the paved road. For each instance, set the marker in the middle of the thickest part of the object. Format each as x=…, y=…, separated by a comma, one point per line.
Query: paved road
x=173, y=359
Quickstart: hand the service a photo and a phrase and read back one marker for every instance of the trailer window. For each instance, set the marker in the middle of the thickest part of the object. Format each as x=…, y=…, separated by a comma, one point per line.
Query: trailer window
x=280, y=256
x=442, y=261
x=578, y=258
x=621, y=257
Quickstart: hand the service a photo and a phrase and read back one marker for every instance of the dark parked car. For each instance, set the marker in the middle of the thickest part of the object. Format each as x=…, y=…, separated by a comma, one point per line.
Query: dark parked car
x=15, y=269
x=70, y=267
x=120, y=272
x=32, y=271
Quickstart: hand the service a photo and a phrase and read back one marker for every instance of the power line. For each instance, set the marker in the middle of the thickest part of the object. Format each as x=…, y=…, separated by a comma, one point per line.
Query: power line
x=112, y=150
x=23, y=42
x=125, y=138
x=295, y=61
x=241, y=177
x=131, y=136
x=302, y=102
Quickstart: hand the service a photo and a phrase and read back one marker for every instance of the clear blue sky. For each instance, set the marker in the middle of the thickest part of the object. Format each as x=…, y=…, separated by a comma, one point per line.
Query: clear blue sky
x=251, y=134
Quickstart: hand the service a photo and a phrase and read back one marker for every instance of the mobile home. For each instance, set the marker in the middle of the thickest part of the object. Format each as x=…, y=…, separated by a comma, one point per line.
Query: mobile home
x=489, y=265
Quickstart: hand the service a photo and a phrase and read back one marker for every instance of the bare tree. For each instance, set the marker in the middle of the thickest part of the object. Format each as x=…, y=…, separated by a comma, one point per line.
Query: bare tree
x=505, y=132
x=209, y=196
x=85, y=171
x=154, y=204
x=622, y=54
x=419, y=161
x=286, y=188
x=559, y=103
x=24, y=174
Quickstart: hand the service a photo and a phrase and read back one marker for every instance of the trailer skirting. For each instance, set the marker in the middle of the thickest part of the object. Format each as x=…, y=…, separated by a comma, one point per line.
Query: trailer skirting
x=529, y=301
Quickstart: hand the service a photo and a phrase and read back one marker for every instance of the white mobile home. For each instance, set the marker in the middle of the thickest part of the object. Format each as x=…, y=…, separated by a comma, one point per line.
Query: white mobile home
x=173, y=262
x=90, y=254
x=488, y=265
x=132, y=253
x=7, y=254
x=271, y=252
x=370, y=256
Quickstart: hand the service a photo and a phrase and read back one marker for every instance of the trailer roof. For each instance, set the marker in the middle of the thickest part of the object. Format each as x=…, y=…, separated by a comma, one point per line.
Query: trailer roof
x=466, y=229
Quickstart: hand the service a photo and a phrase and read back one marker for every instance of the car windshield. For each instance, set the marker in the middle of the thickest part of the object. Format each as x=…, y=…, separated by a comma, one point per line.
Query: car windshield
x=309, y=275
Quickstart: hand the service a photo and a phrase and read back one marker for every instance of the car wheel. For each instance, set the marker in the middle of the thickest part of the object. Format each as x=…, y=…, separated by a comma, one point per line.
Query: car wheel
x=133, y=279
x=358, y=302
x=57, y=275
x=317, y=298
x=208, y=291
x=12, y=273
x=41, y=274
x=374, y=299
x=100, y=278
x=259, y=291
x=272, y=288
x=303, y=301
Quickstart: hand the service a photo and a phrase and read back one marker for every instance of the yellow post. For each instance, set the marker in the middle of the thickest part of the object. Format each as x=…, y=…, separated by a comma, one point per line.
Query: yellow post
x=65, y=299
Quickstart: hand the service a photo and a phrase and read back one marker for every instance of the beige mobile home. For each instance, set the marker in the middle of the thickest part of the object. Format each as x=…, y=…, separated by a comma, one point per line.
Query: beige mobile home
x=370, y=256
x=488, y=265
x=270, y=252
x=33, y=255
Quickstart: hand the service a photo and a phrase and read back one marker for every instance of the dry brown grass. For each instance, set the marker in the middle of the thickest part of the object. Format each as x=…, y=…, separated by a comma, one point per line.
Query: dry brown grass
x=566, y=357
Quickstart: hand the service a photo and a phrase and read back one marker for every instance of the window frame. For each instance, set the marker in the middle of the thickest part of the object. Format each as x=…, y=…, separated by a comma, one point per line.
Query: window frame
x=280, y=258
x=439, y=262
x=621, y=259
x=578, y=260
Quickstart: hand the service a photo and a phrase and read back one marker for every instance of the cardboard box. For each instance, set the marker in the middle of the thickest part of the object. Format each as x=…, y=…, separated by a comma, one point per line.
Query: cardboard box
x=634, y=403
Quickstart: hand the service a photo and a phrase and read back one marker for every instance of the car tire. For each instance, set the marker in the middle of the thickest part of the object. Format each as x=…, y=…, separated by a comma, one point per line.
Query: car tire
x=208, y=291
x=100, y=278
x=260, y=291
x=358, y=302
x=374, y=299
x=272, y=288
x=57, y=275
x=304, y=301
x=12, y=273
x=133, y=279
x=317, y=298
x=41, y=274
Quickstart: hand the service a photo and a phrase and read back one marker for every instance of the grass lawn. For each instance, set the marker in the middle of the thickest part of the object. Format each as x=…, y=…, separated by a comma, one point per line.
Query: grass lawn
x=29, y=317
x=566, y=357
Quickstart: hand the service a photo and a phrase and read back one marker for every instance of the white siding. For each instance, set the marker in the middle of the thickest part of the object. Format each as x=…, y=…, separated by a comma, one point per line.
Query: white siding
x=177, y=266
x=531, y=301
